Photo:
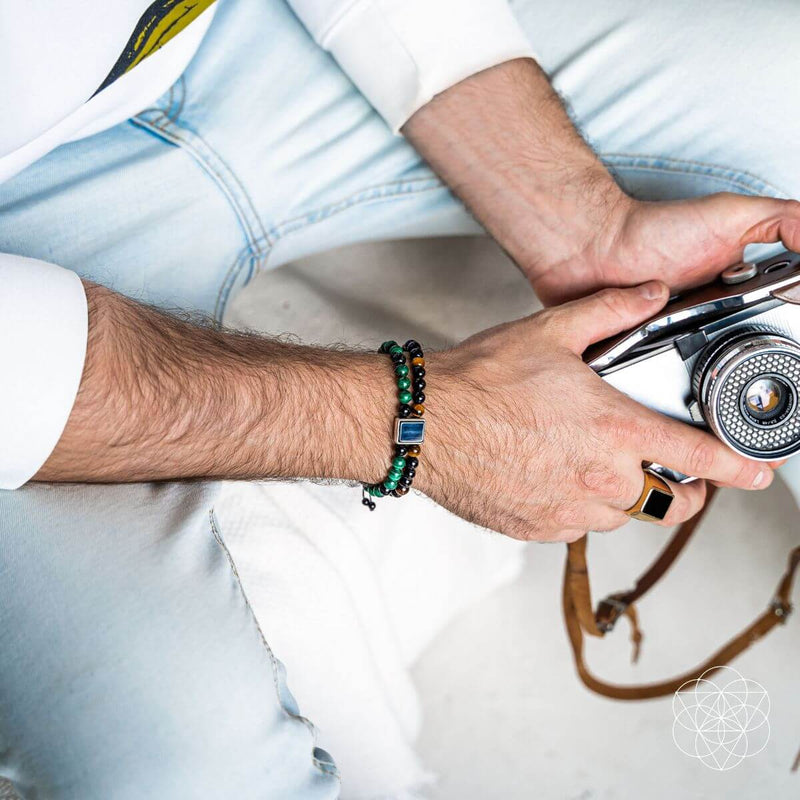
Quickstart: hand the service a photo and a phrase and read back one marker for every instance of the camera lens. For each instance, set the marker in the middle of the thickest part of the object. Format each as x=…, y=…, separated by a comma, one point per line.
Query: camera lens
x=746, y=384
x=766, y=399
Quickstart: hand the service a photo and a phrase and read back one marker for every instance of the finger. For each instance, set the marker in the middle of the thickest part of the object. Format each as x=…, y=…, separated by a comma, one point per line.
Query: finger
x=694, y=452
x=767, y=220
x=605, y=519
x=598, y=316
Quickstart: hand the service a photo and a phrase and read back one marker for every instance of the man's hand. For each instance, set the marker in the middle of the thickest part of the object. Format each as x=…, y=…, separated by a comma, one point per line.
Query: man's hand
x=684, y=243
x=503, y=142
x=525, y=439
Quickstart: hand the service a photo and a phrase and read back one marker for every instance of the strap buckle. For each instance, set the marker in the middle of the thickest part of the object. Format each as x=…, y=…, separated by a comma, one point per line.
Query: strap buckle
x=780, y=609
x=608, y=612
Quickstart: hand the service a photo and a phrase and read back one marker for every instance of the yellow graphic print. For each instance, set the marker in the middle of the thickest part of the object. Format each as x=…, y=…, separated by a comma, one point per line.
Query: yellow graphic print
x=162, y=21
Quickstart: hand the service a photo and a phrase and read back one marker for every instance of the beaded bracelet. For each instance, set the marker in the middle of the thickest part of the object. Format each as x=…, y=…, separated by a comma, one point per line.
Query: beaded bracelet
x=409, y=427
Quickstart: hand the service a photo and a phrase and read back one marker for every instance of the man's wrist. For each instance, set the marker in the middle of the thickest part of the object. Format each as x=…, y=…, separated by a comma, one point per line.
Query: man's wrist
x=504, y=143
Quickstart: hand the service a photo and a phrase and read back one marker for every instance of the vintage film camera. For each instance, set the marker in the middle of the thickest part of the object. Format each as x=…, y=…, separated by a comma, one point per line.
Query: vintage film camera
x=725, y=357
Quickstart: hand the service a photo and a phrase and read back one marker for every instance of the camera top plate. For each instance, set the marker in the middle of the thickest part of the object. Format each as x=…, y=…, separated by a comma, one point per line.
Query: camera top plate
x=697, y=306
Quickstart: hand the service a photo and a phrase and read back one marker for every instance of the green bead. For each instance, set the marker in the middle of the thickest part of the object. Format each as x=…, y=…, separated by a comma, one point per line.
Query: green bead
x=395, y=348
x=374, y=491
x=403, y=383
x=386, y=345
x=395, y=474
x=390, y=484
x=398, y=462
x=401, y=370
x=405, y=397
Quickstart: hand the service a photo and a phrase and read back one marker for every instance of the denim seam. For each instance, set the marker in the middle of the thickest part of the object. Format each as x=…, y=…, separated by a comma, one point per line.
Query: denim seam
x=156, y=120
x=392, y=190
x=377, y=193
x=741, y=179
x=323, y=766
x=257, y=241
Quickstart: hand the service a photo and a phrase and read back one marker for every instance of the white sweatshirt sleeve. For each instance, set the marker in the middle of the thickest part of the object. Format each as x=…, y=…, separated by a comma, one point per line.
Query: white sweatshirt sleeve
x=43, y=333
x=401, y=53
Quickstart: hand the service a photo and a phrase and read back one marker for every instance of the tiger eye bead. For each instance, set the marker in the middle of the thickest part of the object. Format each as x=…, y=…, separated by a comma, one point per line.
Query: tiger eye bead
x=400, y=491
x=419, y=409
x=419, y=361
x=414, y=450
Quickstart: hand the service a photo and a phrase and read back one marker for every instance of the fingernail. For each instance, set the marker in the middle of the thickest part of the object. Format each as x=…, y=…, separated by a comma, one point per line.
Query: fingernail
x=759, y=479
x=651, y=290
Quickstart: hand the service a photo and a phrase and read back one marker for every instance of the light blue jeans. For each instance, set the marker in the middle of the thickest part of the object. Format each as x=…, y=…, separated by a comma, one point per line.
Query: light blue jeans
x=131, y=665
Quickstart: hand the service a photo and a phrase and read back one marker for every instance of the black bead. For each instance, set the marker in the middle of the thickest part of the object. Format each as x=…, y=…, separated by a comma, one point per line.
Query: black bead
x=383, y=490
x=366, y=501
x=411, y=344
x=405, y=410
x=401, y=450
x=371, y=505
x=417, y=371
x=398, y=358
x=419, y=397
x=409, y=472
x=419, y=384
x=404, y=481
x=412, y=462
x=415, y=354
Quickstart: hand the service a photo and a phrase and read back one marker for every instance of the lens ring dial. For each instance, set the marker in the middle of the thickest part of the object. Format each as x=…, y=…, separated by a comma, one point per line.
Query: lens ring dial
x=747, y=388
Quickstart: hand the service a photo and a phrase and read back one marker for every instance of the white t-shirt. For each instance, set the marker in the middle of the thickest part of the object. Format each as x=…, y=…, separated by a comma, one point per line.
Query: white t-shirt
x=67, y=71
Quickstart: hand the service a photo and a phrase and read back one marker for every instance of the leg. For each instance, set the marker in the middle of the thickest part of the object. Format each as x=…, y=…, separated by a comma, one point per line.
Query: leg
x=130, y=662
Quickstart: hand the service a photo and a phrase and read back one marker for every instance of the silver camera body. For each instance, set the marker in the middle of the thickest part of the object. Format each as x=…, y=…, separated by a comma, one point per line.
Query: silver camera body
x=725, y=357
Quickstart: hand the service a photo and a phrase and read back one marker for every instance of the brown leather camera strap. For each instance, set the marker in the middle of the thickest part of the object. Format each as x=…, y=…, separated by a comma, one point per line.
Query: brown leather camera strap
x=580, y=617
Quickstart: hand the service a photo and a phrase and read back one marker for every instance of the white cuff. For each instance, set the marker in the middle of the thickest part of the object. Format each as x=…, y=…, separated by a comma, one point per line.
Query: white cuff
x=43, y=333
x=401, y=53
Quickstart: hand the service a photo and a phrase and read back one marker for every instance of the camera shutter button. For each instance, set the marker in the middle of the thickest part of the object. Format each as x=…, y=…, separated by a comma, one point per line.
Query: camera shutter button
x=739, y=273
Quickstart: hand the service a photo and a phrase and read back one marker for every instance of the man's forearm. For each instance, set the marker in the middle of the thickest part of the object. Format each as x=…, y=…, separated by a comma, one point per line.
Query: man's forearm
x=162, y=398
x=504, y=143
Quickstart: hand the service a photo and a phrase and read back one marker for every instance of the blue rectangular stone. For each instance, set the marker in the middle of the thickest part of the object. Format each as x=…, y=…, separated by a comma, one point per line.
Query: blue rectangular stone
x=409, y=431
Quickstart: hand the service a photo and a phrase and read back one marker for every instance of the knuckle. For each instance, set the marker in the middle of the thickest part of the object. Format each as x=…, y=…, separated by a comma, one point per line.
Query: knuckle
x=614, y=300
x=602, y=481
x=745, y=474
x=702, y=457
x=563, y=516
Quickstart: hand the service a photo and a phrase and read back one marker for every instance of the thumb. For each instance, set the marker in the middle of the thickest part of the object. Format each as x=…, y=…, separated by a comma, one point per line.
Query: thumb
x=743, y=219
x=610, y=311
